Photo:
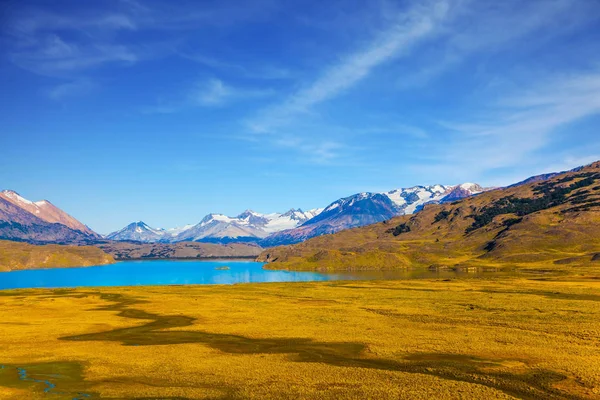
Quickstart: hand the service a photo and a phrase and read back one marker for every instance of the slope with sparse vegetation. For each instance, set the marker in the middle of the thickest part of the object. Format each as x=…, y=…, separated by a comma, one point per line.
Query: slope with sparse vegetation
x=16, y=256
x=537, y=225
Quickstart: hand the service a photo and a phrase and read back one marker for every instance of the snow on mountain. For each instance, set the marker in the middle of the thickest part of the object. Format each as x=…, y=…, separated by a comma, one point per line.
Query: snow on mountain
x=16, y=198
x=178, y=230
x=368, y=208
x=219, y=227
x=297, y=225
x=290, y=219
x=46, y=211
x=349, y=212
x=461, y=191
x=249, y=226
x=139, y=232
x=410, y=199
x=17, y=223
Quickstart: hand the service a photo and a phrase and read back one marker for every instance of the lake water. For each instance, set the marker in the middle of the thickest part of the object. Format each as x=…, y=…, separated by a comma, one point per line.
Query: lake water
x=169, y=272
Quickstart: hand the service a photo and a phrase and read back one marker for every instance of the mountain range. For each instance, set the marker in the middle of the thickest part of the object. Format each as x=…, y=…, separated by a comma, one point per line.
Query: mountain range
x=42, y=222
x=297, y=225
x=368, y=208
x=545, y=222
x=249, y=226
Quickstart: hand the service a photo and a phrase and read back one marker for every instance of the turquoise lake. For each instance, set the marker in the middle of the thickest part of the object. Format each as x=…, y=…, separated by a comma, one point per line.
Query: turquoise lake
x=179, y=272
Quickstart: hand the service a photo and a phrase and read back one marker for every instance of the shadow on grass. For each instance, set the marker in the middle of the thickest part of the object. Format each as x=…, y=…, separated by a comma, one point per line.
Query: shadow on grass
x=536, y=384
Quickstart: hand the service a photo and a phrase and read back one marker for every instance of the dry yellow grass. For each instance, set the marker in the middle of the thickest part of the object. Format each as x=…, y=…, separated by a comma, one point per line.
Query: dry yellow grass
x=17, y=256
x=424, y=339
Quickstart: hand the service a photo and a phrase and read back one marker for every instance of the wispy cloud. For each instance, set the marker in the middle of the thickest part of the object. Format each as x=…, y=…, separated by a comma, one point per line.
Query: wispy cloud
x=322, y=152
x=408, y=29
x=90, y=35
x=280, y=123
x=510, y=131
x=433, y=37
x=209, y=93
x=71, y=89
x=214, y=92
x=481, y=26
x=263, y=72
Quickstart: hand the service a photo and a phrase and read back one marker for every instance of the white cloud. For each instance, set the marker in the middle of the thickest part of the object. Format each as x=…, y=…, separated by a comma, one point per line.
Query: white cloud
x=510, y=131
x=208, y=93
x=262, y=71
x=211, y=93
x=71, y=89
x=315, y=152
x=408, y=29
x=91, y=34
x=214, y=92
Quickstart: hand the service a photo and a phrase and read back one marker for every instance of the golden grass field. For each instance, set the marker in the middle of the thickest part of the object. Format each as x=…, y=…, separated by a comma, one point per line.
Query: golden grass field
x=461, y=338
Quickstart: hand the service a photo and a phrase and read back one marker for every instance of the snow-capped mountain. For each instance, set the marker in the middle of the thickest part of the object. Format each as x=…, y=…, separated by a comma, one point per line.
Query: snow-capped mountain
x=410, y=199
x=176, y=231
x=46, y=211
x=297, y=225
x=218, y=227
x=349, y=212
x=249, y=226
x=368, y=208
x=461, y=191
x=139, y=232
x=39, y=222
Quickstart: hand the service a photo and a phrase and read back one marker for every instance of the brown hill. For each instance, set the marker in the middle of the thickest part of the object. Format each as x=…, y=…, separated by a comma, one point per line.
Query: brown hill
x=46, y=211
x=20, y=225
x=17, y=256
x=538, y=225
x=181, y=250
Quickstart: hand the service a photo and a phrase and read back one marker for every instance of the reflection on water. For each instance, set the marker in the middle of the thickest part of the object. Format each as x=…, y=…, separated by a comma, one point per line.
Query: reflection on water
x=169, y=272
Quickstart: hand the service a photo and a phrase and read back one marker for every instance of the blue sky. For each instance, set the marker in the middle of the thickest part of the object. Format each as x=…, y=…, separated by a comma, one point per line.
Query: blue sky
x=165, y=111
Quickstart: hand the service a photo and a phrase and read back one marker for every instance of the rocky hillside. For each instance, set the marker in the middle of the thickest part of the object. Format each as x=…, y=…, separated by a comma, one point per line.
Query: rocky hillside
x=541, y=224
x=19, y=224
x=46, y=211
x=17, y=256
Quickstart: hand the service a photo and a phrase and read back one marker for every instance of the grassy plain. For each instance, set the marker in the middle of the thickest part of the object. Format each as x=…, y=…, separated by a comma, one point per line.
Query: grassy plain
x=460, y=338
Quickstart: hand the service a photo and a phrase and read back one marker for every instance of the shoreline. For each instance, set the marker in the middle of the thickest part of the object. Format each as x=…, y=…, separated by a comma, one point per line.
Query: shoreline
x=210, y=258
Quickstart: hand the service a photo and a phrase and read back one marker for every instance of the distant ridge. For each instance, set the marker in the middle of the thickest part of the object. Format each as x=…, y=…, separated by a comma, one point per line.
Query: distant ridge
x=543, y=177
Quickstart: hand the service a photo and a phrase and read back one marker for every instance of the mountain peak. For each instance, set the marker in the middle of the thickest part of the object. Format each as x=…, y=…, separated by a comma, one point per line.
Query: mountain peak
x=248, y=213
x=138, y=231
x=16, y=197
x=46, y=211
